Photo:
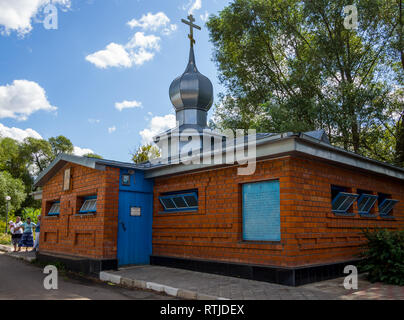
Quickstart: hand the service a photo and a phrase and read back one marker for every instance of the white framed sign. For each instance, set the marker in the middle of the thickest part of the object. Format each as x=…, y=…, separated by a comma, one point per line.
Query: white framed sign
x=66, y=180
x=135, y=211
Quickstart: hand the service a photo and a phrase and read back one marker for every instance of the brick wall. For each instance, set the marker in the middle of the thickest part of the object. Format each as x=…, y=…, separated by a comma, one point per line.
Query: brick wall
x=310, y=232
x=92, y=235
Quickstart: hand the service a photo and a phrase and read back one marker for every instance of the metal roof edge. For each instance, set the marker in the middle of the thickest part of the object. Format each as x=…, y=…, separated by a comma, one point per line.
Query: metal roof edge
x=93, y=163
x=63, y=157
x=349, y=158
x=361, y=161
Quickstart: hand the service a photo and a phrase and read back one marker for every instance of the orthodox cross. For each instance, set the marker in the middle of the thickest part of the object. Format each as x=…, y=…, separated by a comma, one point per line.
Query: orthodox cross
x=191, y=28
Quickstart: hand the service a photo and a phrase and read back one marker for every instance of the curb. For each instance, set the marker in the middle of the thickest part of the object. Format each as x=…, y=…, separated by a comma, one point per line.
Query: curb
x=5, y=248
x=8, y=252
x=157, y=287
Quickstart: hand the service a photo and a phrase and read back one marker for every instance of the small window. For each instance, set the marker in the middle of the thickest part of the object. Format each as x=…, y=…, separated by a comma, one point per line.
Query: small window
x=366, y=201
x=54, y=209
x=386, y=206
x=342, y=200
x=126, y=180
x=179, y=201
x=167, y=203
x=89, y=205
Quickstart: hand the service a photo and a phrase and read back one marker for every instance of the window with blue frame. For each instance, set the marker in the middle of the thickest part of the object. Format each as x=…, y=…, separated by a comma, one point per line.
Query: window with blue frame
x=342, y=200
x=180, y=201
x=386, y=204
x=54, y=210
x=89, y=205
x=366, y=202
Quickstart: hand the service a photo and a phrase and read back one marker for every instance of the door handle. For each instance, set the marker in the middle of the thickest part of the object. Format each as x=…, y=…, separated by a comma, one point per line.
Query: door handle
x=123, y=226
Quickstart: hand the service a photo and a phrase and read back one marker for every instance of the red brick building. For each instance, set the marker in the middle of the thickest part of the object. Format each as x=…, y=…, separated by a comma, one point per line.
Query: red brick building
x=311, y=241
x=296, y=218
x=84, y=200
x=315, y=241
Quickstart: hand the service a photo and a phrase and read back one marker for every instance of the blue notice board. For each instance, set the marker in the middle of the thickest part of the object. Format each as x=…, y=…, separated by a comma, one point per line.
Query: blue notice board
x=261, y=211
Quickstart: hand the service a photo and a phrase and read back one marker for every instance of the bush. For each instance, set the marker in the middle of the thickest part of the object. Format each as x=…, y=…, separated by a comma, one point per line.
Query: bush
x=26, y=213
x=30, y=213
x=11, y=217
x=5, y=238
x=384, y=256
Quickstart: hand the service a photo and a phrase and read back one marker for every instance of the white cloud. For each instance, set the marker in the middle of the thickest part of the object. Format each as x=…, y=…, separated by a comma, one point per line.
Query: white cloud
x=138, y=50
x=17, y=133
x=111, y=129
x=22, y=98
x=18, y=15
x=92, y=121
x=142, y=48
x=150, y=21
x=139, y=40
x=141, y=56
x=81, y=151
x=114, y=55
x=167, y=31
x=154, y=22
x=192, y=6
x=157, y=125
x=204, y=17
x=196, y=6
x=127, y=105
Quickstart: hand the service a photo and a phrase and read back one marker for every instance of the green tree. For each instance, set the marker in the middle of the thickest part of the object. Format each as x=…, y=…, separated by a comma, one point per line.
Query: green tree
x=14, y=160
x=17, y=162
x=289, y=65
x=93, y=155
x=43, y=152
x=60, y=144
x=13, y=188
x=24, y=160
x=145, y=153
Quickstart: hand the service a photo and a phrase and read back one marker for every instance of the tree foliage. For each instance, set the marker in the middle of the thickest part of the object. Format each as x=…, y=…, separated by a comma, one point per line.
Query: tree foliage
x=13, y=188
x=92, y=155
x=60, y=144
x=145, y=153
x=22, y=161
x=289, y=65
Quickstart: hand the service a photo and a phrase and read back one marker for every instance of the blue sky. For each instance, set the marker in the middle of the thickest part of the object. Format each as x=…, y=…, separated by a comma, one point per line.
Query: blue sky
x=96, y=79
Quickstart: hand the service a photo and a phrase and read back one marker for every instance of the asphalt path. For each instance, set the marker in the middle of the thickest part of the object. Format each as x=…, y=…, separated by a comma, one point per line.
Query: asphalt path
x=21, y=280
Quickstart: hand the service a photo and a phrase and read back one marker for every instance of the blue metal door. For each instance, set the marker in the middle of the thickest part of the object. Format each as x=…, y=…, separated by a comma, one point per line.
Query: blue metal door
x=261, y=211
x=134, y=227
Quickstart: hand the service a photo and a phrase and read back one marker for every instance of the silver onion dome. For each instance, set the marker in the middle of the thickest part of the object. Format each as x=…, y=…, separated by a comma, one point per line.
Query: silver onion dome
x=191, y=90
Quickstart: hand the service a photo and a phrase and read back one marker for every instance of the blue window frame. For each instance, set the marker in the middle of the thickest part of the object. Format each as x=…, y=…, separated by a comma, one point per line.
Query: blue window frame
x=89, y=205
x=179, y=202
x=54, y=209
x=366, y=203
x=386, y=206
x=342, y=202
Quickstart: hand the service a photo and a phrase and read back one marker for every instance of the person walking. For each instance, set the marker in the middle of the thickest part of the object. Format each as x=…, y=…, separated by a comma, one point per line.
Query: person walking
x=37, y=233
x=27, y=239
